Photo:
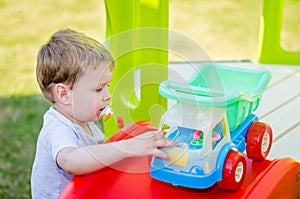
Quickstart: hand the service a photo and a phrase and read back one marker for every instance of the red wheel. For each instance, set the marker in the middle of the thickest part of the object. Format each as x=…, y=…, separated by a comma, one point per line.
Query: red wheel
x=258, y=141
x=233, y=174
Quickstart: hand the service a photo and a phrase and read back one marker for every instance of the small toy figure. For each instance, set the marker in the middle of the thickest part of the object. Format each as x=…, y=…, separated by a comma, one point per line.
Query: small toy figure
x=196, y=135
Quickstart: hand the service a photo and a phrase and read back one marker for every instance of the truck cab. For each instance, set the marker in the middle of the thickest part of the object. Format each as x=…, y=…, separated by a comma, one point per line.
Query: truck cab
x=203, y=138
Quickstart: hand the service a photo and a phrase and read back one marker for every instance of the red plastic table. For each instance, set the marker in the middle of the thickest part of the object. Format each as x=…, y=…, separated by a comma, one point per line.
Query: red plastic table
x=279, y=178
x=130, y=178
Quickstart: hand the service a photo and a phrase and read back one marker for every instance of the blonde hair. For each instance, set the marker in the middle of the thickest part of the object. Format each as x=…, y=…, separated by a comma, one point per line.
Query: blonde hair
x=65, y=58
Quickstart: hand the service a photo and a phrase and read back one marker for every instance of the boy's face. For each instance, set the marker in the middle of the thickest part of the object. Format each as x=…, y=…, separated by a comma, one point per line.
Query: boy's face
x=90, y=95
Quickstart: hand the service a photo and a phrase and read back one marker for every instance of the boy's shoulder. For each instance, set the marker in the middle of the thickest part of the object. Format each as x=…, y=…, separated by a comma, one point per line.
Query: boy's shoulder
x=55, y=121
x=53, y=116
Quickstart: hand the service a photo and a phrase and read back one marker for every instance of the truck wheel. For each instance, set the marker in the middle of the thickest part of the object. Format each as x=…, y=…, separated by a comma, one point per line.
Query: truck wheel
x=258, y=141
x=233, y=173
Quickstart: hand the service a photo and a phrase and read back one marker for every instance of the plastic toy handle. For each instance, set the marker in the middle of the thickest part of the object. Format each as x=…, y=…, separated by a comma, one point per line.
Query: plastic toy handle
x=132, y=130
x=107, y=117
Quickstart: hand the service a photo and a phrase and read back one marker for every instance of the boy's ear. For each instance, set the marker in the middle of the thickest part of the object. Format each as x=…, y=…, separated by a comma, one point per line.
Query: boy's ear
x=63, y=93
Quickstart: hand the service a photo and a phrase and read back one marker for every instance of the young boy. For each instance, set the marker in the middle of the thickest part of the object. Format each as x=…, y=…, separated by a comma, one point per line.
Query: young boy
x=73, y=72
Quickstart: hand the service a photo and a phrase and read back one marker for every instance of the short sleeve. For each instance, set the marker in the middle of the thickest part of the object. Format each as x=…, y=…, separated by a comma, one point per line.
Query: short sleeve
x=59, y=137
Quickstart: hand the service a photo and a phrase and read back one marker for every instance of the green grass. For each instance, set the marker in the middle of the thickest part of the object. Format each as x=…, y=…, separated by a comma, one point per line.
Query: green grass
x=226, y=29
x=20, y=122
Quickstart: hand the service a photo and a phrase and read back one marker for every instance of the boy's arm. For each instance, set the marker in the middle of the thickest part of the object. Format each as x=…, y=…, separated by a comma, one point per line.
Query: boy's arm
x=91, y=158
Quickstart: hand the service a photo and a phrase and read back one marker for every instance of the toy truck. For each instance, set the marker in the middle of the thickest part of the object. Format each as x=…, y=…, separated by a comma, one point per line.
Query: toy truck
x=213, y=127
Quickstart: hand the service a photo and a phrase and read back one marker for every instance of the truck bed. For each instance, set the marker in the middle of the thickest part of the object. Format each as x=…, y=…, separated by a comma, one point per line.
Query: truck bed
x=238, y=90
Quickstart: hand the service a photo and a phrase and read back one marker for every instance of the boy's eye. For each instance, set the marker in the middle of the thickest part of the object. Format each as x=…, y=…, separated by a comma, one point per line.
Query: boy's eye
x=99, y=90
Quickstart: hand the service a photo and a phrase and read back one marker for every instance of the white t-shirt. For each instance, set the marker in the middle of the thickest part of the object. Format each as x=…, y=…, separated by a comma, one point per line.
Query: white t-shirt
x=47, y=178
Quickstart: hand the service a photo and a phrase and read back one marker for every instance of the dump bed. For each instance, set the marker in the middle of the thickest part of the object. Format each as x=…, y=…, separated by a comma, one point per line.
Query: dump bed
x=237, y=90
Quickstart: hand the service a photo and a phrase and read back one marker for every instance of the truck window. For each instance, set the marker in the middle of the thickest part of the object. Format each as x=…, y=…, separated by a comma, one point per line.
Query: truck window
x=218, y=132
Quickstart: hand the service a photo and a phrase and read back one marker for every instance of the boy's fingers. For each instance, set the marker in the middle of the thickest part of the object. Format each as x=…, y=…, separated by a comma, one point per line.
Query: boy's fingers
x=165, y=143
x=171, y=143
x=160, y=154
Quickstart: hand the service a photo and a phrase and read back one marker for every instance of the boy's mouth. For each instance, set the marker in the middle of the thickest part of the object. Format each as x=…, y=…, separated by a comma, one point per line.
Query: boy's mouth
x=100, y=112
x=105, y=111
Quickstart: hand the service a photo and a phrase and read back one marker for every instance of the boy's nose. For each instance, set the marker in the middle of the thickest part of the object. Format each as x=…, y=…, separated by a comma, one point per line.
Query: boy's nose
x=106, y=95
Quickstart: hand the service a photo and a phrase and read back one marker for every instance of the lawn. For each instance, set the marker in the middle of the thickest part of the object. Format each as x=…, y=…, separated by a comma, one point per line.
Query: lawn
x=226, y=29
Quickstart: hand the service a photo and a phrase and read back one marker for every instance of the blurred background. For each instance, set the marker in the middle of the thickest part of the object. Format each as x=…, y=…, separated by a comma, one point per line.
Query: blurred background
x=228, y=30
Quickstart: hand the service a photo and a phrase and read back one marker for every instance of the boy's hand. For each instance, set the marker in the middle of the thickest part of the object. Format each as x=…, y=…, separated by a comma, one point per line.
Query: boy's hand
x=142, y=139
x=149, y=143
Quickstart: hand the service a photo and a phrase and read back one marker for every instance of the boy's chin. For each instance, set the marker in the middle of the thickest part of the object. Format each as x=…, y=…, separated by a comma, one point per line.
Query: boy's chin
x=98, y=118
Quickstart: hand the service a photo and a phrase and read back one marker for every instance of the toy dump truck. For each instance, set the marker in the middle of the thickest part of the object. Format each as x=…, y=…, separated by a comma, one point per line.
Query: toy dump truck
x=213, y=123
